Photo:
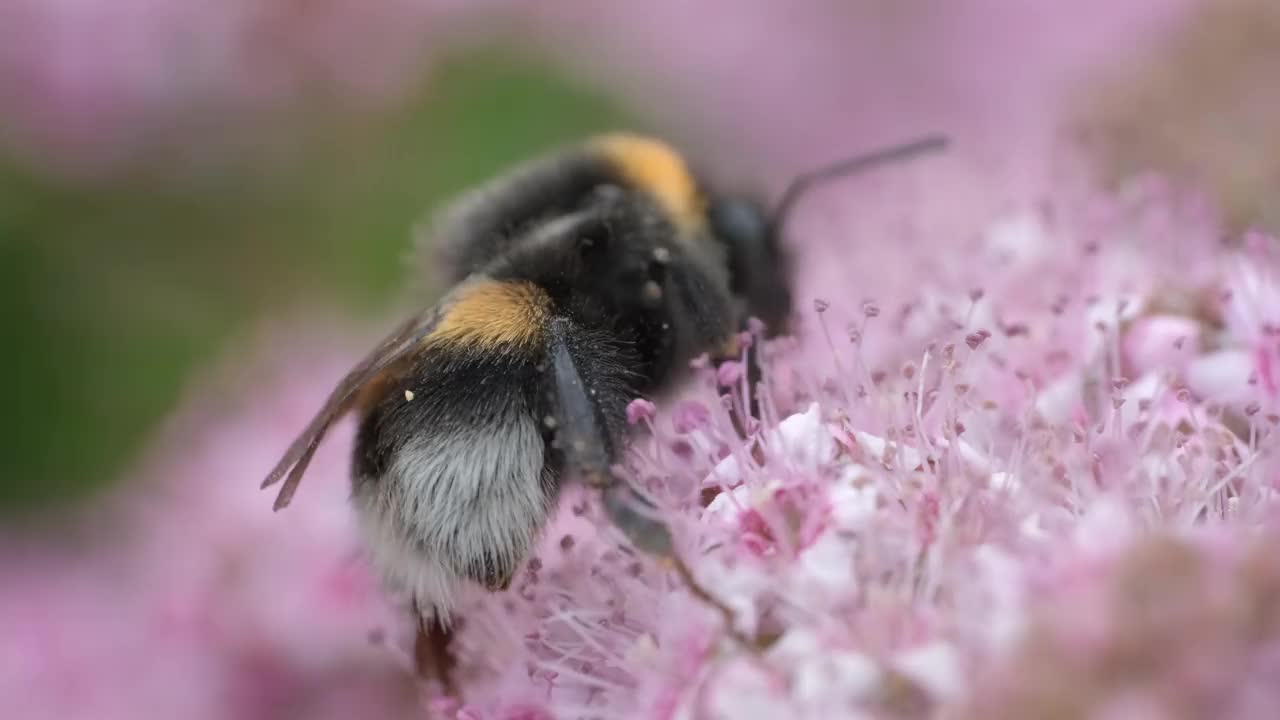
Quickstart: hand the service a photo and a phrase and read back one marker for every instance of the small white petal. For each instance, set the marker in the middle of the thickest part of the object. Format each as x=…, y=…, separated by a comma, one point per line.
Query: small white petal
x=1019, y=238
x=872, y=444
x=1222, y=376
x=825, y=567
x=644, y=651
x=726, y=473
x=936, y=668
x=877, y=447
x=1031, y=528
x=852, y=507
x=726, y=506
x=1003, y=580
x=742, y=689
x=804, y=439
x=976, y=460
x=795, y=646
x=1145, y=388
x=1059, y=401
x=833, y=676
x=854, y=475
x=1255, y=299
x=1004, y=482
x=1161, y=342
x=1106, y=525
x=1109, y=313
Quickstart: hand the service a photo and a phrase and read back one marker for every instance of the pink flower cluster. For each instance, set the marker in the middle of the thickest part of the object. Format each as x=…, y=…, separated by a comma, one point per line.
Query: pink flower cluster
x=182, y=595
x=91, y=88
x=1041, y=483
x=1070, y=471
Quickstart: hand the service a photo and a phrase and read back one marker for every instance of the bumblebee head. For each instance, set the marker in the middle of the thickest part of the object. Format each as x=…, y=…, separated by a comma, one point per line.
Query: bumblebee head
x=625, y=218
x=752, y=234
x=755, y=266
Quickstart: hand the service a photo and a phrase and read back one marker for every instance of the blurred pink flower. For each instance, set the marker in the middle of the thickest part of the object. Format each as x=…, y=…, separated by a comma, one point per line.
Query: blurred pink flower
x=183, y=594
x=90, y=87
x=1167, y=628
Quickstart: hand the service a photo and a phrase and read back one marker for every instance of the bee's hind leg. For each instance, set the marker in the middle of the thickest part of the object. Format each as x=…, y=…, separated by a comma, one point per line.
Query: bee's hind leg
x=433, y=657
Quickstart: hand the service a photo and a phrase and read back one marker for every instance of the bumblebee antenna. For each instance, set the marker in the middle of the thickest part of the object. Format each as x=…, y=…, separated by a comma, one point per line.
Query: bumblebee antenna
x=852, y=166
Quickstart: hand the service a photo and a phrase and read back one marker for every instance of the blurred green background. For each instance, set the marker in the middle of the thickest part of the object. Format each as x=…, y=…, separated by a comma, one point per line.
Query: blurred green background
x=115, y=292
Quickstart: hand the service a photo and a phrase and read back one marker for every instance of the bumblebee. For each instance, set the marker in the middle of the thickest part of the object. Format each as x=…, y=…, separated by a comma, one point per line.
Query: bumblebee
x=580, y=280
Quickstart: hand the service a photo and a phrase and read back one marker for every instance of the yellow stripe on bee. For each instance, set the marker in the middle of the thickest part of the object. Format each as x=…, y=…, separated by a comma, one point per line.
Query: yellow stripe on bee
x=655, y=167
x=491, y=314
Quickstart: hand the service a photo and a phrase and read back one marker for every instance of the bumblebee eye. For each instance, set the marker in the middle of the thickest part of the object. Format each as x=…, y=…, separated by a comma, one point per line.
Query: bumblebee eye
x=742, y=226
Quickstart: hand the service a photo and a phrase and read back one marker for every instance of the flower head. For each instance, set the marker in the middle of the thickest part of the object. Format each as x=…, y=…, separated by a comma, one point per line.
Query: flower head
x=184, y=594
x=907, y=526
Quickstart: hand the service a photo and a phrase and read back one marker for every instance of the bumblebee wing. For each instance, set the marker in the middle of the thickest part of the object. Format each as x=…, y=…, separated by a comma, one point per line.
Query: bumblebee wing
x=393, y=349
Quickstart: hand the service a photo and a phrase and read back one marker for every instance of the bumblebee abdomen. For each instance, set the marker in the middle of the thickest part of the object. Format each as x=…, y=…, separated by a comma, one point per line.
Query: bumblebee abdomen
x=449, y=465
x=450, y=471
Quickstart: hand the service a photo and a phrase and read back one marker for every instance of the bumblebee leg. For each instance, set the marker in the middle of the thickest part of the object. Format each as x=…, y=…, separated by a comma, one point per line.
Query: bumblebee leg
x=579, y=435
x=433, y=657
x=584, y=443
x=699, y=591
x=630, y=514
x=636, y=519
x=754, y=375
